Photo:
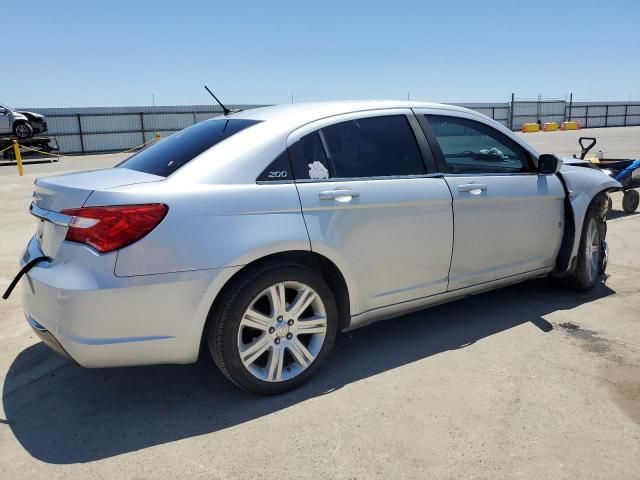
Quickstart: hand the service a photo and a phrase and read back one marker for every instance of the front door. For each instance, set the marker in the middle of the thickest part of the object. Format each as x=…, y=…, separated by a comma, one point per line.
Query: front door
x=508, y=219
x=5, y=120
x=370, y=206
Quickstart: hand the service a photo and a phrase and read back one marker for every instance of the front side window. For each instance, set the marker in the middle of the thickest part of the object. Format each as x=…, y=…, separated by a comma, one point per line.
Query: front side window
x=368, y=147
x=168, y=155
x=472, y=147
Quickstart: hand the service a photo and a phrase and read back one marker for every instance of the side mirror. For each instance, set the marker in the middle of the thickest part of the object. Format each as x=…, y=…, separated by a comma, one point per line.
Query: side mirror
x=548, y=164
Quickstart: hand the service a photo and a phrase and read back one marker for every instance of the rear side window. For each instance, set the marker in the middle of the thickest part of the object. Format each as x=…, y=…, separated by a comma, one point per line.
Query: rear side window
x=278, y=171
x=368, y=147
x=309, y=158
x=168, y=155
x=472, y=147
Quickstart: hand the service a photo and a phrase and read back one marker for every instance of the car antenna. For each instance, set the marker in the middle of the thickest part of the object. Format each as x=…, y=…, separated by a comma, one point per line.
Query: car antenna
x=226, y=110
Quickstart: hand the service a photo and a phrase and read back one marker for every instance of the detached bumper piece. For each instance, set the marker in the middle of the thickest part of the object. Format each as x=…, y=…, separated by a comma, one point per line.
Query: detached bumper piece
x=48, y=339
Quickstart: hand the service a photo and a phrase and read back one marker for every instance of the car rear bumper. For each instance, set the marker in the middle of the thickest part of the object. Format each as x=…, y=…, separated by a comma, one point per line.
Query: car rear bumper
x=102, y=320
x=47, y=338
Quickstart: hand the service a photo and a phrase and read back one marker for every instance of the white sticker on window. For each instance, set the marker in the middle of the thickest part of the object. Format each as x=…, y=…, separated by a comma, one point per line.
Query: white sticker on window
x=318, y=171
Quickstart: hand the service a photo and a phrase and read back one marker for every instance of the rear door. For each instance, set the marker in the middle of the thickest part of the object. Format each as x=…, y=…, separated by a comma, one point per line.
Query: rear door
x=370, y=205
x=508, y=219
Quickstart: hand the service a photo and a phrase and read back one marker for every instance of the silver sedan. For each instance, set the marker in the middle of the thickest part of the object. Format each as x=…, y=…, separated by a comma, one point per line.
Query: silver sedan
x=261, y=234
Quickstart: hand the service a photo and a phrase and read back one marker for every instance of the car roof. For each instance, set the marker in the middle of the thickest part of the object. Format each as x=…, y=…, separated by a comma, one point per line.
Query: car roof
x=302, y=113
x=231, y=162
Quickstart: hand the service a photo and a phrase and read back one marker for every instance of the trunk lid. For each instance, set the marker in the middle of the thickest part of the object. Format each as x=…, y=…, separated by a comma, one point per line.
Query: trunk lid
x=71, y=190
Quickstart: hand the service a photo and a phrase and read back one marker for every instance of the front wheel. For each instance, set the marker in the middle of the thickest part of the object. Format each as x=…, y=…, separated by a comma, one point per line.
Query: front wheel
x=591, y=254
x=23, y=130
x=273, y=328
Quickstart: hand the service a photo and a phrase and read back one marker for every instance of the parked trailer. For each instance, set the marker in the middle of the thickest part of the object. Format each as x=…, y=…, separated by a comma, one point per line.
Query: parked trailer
x=47, y=145
x=624, y=170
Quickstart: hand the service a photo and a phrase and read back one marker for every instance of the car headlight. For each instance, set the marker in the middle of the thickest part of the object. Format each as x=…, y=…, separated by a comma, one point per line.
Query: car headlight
x=606, y=170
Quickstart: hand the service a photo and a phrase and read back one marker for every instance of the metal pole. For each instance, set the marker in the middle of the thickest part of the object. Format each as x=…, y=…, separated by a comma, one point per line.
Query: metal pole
x=80, y=130
x=511, y=112
x=142, y=127
x=16, y=151
x=586, y=117
x=570, y=105
x=625, y=114
x=606, y=116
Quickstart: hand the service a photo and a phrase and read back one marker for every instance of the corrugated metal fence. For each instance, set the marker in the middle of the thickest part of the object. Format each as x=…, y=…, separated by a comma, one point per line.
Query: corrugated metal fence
x=112, y=129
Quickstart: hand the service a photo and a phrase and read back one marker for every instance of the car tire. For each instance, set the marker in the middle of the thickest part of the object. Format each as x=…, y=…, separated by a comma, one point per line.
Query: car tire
x=590, y=259
x=285, y=356
x=630, y=201
x=23, y=130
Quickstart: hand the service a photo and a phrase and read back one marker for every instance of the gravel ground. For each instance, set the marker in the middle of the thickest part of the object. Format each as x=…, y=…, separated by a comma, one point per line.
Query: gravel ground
x=531, y=381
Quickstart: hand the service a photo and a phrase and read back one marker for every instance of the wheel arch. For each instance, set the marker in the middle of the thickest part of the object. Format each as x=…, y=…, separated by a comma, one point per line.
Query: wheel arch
x=579, y=206
x=328, y=269
x=19, y=121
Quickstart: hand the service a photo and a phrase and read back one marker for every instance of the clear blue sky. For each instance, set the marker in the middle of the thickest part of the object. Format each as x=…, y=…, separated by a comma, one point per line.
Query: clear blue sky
x=86, y=53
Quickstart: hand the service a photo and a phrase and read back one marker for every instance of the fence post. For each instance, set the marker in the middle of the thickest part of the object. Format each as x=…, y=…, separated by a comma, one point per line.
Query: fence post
x=606, y=116
x=16, y=151
x=625, y=114
x=570, y=105
x=195, y=118
x=511, y=112
x=80, y=131
x=142, y=127
x=586, y=117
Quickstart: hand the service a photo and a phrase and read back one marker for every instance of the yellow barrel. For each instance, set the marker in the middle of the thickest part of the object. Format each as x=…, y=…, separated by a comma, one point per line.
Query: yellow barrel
x=550, y=126
x=530, y=127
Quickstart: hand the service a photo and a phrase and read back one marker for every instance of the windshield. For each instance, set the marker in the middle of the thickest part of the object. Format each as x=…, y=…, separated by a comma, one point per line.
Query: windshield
x=168, y=155
x=7, y=107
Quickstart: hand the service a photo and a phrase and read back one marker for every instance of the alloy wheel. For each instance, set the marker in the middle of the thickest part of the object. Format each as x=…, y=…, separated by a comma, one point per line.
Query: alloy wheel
x=282, y=331
x=592, y=249
x=22, y=131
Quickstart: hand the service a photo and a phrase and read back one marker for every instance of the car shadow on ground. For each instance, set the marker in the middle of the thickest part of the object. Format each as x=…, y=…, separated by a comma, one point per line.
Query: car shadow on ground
x=615, y=214
x=64, y=414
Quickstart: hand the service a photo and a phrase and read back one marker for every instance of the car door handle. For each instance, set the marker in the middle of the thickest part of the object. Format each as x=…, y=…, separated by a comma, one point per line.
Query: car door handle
x=339, y=194
x=470, y=187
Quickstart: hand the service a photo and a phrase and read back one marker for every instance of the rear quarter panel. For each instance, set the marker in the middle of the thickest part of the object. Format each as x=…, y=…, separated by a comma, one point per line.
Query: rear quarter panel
x=209, y=226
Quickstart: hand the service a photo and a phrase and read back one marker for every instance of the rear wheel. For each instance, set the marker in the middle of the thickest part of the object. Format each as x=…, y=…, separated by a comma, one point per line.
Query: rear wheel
x=630, y=201
x=274, y=328
x=23, y=130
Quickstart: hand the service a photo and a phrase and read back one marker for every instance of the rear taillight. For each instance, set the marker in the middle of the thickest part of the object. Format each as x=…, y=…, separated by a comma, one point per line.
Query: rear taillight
x=110, y=228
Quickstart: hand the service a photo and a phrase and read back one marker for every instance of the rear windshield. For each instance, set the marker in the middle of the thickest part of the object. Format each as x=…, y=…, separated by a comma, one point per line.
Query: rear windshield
x=165, y=157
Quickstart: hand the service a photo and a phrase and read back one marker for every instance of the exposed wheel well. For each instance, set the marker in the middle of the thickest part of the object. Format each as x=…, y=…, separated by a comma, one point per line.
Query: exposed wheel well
x=317, y=262
x=565, y=264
